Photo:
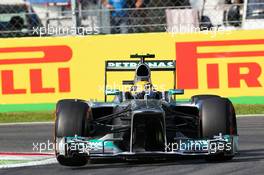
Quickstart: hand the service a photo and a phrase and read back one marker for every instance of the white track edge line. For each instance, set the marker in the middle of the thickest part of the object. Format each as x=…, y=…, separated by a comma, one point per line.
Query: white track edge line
x=27, y=123
x=251, y=115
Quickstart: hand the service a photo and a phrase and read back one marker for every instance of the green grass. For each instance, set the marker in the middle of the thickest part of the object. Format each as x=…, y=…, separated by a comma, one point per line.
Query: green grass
x=12, y=117
x=46, y=116
x=249, y=109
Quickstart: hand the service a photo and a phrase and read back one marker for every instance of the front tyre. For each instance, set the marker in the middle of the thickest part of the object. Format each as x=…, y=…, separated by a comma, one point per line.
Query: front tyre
x=217, y=115
x=72, y=119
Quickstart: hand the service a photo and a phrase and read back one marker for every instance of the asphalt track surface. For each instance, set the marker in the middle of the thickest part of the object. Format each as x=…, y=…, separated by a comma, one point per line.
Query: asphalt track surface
x=249, y=161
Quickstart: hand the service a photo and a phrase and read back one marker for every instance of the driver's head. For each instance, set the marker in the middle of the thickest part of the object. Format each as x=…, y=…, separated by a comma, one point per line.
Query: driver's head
x=141, y=88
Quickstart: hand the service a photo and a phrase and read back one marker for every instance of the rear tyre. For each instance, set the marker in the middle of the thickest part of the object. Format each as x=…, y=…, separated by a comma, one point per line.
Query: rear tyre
x=217, y=116
x=71, y=119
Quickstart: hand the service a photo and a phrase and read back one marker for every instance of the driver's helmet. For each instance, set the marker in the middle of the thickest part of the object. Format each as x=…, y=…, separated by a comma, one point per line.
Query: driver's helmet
x=141, y=88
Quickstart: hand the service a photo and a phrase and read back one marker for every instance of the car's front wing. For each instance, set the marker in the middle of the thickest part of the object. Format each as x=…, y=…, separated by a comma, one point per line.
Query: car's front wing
x=81, y=146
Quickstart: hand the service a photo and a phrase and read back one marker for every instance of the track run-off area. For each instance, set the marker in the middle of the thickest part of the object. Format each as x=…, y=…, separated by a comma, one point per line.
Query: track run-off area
x=22, y=152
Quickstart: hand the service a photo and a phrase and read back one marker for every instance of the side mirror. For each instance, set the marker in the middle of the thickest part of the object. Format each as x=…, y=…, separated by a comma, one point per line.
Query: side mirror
x=112, y=92
x=233, y=16
x=176, y=91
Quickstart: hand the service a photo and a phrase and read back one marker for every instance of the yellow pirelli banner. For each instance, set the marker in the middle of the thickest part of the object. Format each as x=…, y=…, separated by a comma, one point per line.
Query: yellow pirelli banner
x=44, y=70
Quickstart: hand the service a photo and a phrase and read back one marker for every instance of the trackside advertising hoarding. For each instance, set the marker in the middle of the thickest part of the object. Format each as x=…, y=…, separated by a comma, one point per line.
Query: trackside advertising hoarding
x=44, y=70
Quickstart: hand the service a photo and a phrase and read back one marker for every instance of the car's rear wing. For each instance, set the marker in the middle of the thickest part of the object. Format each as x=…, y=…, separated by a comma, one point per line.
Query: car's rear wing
x=127, y=65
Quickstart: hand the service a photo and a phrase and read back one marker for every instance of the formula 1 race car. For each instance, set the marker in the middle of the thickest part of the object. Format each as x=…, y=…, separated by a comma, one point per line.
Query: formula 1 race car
x=143, y=122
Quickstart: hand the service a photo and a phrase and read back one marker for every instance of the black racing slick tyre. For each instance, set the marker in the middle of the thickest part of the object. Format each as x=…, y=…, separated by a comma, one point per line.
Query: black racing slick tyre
x=71, y=119
x=217, y=115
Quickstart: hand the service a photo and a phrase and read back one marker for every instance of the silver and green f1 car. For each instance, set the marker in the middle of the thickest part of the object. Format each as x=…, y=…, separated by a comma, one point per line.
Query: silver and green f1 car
x=144, y=122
